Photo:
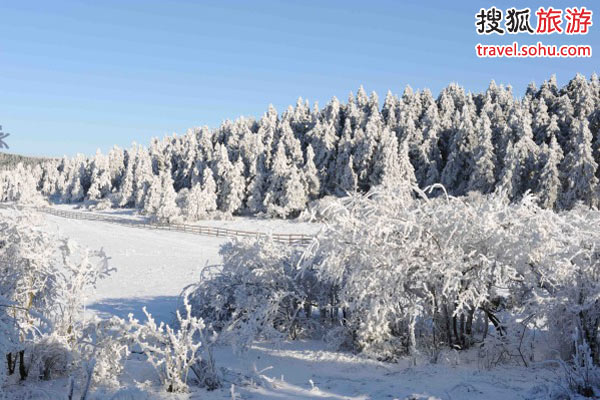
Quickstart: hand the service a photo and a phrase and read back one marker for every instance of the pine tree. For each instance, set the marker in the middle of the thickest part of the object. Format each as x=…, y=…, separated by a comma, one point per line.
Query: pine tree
x=526, y=151
x=167, y=210
x=292, y=145
x=565, y=114
x=234, y=188
x=275, y=182
x=75, y=191
x=323, y=140
x=193, y=207
x=116, y=165
x=483, y=177
x=231, y=184
x=387, y=170
x=151, y=200
x=256, y=187
x=579, y=168
x=365, y=144
x=311, y=174
x=549, y=181
x=406, y=170
x=142, y=177
x=267, y=127
x=541, y=122
x=101, y=181
x=126, y=188
x=188, y=156
x=427, y=169
x=389, y=113
x=286, y=192
x=552, y=130
x=209, y=191
x=408, y=116
x=346, y=180
x=49, y=179
x=458, y=169
x=580, y=92
x=295, y=193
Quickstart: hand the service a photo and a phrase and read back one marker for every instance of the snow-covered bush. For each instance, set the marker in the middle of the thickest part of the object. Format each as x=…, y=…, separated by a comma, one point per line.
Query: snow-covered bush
x=43, y=284
x=50, y=356
x=396, y=272
x=581, y=375
x=106, y=342
x=447, y=265
x=174, y=352
x=257, y=293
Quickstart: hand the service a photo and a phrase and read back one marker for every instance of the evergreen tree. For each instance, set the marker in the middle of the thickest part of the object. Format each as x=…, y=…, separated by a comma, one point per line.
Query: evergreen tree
x=151, y=200
x=233, y=187
x=209, y=191
x=428, y=167
x=389, y=111
x=549, y=181
x=101, y=181
x=292, y=145
x=565, y=114
x=193, y=207
x=75, y=191
x=184, y=173
x=311, y=175
x=166, y=210
x=230, y=182
x=483, y=177
x=579, y=168
x=116, y=165
x=387, y=170
x=345, y=178
x=256, y=187
x=458, y=169
x=286, y=192
x=126, y=191
x=541, y=122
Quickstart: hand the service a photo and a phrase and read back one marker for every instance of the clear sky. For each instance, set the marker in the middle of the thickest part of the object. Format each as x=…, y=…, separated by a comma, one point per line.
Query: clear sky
x=77, y=76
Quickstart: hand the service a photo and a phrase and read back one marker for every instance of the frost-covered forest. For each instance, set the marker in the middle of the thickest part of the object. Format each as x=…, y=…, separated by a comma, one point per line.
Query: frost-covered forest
x=546, y=142
x=457, y=231
x=10, y=161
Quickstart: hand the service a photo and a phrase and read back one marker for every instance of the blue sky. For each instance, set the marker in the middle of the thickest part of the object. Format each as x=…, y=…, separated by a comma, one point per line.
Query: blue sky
x=77, y=76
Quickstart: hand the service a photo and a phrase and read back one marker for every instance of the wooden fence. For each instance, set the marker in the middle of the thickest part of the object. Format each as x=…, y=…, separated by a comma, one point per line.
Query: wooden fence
x=290, y=238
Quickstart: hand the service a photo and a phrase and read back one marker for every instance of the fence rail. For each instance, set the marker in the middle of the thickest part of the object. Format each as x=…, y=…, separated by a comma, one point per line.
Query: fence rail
x=290, y=238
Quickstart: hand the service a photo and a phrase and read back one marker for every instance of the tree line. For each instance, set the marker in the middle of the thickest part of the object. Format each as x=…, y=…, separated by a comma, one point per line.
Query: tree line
x=545, y=143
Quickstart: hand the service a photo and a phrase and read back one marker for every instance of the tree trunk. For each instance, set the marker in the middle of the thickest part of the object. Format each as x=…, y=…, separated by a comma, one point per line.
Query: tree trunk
x=495, y=321
x=469, y=326
x=11, y=363
x=463, y=341
x=22, y=369
x=455, y=330
x=448, y=331
x=308, y=309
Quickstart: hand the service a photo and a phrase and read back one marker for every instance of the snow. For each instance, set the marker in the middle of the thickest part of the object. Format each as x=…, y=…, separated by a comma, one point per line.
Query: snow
x=338, y=375
x=154, y=266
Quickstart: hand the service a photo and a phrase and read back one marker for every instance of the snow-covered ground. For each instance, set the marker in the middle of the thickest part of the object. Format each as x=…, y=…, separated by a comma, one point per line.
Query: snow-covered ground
x=154, y=266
